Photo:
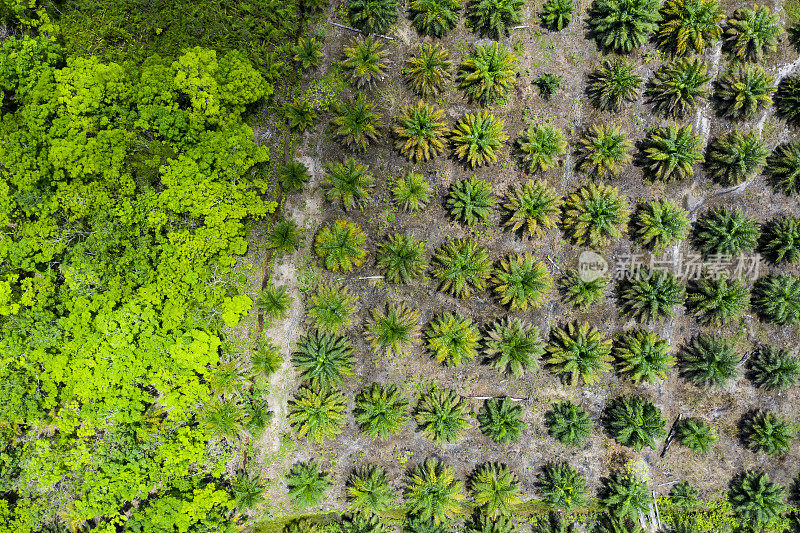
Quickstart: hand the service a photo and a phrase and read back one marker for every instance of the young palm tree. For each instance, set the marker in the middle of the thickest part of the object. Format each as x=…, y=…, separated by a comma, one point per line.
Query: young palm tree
x=774, y=369
x=594, y=215
x=776, y=299
x=462, y=266
x=301, y=525
x=716, y=302
x=489, y=73
x=579, y=351
x=671, y=152
x=286, y=237
x=381, y=411
x=355, y=123
x=274, y=302
x=418, y=525
x=541, y=146
x=561, y=487
x=223, y=418
x=368, y=490
x=300, y=115
x=428, y=70
x=323, y=358
x=372, y=16
x=433, y=494
x=495, y=17
x=470, y=201
x=396, y=330
x=420, y=130
x=246, y=491
x=766, y=432
x=635, y=422
x=499, y=419
x=513, y=346
x=331, y=308
x=434, y=17
x=452, y=339
x=401, y=258
x=726, y=231
x=532, y=207
x=307, y=52
x=442, y=415
x=627, y=497
x=783, y=167
x=751, y=33
x=643, y=355
x=621, y=25
x=696, y=435
x=690, y=24
x=580, y=292
x=412, y=192
x=603, y=150
x=293, y=175
x=362, y=523
x=482, y=524
x=744, y=91
x=678, y=86
x=520, y=281
x=557, y=14
x=614, y=84
x=317, y=413
x=341, y=246
x=307, y=484
x=266, y=358
x=365, y=62
x=787, y=99
x=781, y=240
x=495, y=490
x=568, y=423
x=348, y=181
x=709, y=360
x=547, y=84
x=477, y=138
x=684, y=495
x=756, y=501
x=659, y=224
x=650, y=296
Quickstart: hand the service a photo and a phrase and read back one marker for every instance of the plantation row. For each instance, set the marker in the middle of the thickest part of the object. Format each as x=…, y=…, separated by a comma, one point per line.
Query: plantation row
x=434, y=499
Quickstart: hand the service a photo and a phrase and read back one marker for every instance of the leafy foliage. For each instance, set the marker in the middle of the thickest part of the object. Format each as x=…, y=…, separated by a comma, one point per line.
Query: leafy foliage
x=372, y=16
x=323, y=358
x=480, y=523
x=690, y=25
x=568, y=423
x=418, y=525
x=476, y=138
x=726, y=231
x=768, y=433
x=419, y=130
x=533, y=207
x=428, y=70
x=307, y=52
x=442, y=414
x=512, y=346
x=341, y=246
x=521, y=281
x=709, y=360
x=293, y=175
x=500, y=420
x=595, y=214
x=734, y=157
x=433, y=493
x=362, y=523
x=380, y=410
x=541, y=146
x=561, y=486
x=744, y=91
x=752, y=33
x=634, y=422
x=274, y=301
x=579, y=351
x=643, y=355
x=787, y=99
x=650, y=296
x=557, y=14
x=580, y=292
x=615, y=83
x=246, y=491
x=223, y=419
x=495, y=489
x=622, y=25
x=717, y=302
x=470, y=201
x=783, y=167
x=365, y=61
x=266, y=358
x=627, y=497
x=331, y=308
x=285, y=238
x=684, y=495
x=494, y=17
x=603, y=150
x=781, y=239
x=776, y=299
x=696, y=435
x=660, y=224
x=547, y=84
x=488, y=74
x=411, y=191
x=462, y=266
x=774, y=369
x=300, y=114
x=401, y=258
x=671, y=152
x=452, y=339
x=368, y=490
x=317, y=413
x=678, y=86
x=307, y=484
x=434, y=17
x=395, y=330
x=355, y=123
x=755, y=498
x=348, y=181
